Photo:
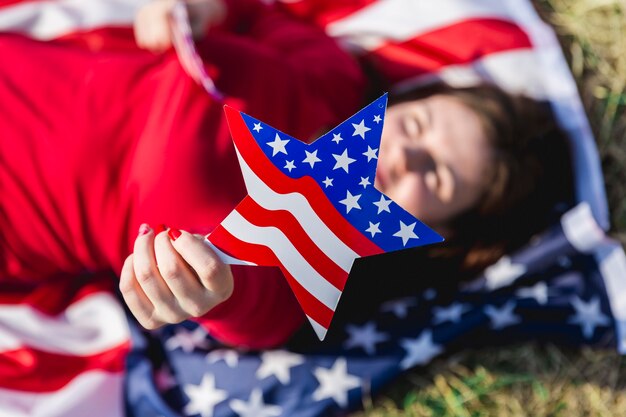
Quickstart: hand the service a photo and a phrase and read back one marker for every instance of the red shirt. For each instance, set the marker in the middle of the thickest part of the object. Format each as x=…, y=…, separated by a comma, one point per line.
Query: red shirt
x=94, y=144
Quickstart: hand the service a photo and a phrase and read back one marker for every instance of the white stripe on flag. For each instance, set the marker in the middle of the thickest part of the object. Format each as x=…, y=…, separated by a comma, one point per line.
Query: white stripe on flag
x=290, y=258
x=298, y=206
x=320, y=330
x=227, y=259
x=91, y=325
x=93, y=394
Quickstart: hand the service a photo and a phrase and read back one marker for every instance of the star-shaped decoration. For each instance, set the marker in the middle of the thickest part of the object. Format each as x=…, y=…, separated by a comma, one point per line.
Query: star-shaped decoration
x=230, y=356
x=278, y=363
x=335, y=382
x=502, y=317
x=255, y=407
x=399, y=307
x=187, y=340
x=204, y=397
x=377, y=119
x=351, y=201
x=370, y=153
x=257, y=127
x=365, y=181
x=289, y=165
x=311, y=158
x=365, y=336
x=451, y=313
x=343, y=161
x=373, y=228
x=278, y=145
x=503, y=273
x=429, y=293
x=406, y=232
x=419, y=350
x=539, y=292
x=588, y=315
x=328, y=182
x=360, y=129
x=382, y=204
x=337, y=138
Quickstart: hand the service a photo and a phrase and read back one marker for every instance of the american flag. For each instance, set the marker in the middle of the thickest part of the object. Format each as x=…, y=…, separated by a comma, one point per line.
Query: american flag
x=312, y=209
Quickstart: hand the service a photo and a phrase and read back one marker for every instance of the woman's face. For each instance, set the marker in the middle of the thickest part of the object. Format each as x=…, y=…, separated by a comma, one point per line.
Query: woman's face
x=434, y=159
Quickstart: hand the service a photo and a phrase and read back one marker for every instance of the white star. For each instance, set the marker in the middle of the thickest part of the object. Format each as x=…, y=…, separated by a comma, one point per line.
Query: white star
x=278, y=363
x=503, y=316
x=371, y=153
x=430, y=293
x=229, y=356
x=451, y=313
x=257, y=127
x=539, y=292
x=337, y=138
x=335, y=382
x=351, y=201
x=255, y=407
x=364, y=336
x=503, y=273
x=365, y=181
x=328, y=182
x=406, y=232
x=289, y=165
x=188, y=340
x=588, y=315
x=377, y=119
x=373, y=229
x=311, y=158
x=360, y=129
x=399, y=307
x=382, y=204
x=204, y=397
x=278, y=145
x=420, y=350
x=343, y=161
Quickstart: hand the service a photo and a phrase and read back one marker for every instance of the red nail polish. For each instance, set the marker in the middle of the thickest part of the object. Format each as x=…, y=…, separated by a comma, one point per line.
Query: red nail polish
x=160, y=228
x=144, y=229
x=174, y=233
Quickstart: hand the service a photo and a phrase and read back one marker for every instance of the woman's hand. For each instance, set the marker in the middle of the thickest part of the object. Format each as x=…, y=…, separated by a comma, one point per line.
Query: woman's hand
x=172, y=276
x=152, y=23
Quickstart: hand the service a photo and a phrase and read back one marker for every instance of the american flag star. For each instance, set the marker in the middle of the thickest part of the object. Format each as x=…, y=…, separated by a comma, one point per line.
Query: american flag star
x=315, y=217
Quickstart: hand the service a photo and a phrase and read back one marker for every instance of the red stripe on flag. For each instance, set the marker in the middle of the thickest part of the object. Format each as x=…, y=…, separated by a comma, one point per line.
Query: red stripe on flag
x=288, y=224
x=454, y=44
x=259, y=254
x=35, y=370
x=306, y=186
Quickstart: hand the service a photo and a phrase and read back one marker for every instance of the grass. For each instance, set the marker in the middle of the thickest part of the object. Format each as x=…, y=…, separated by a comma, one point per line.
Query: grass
x=545, y=381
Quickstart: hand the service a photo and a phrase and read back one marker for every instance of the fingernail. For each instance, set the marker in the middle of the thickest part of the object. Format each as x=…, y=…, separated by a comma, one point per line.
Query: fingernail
x=160, y=228
x=174, y=233
x=144, y=229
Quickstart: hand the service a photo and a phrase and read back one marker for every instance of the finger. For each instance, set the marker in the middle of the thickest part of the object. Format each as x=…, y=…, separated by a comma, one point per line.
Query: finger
x=149, y=278
x=182, y=281
x=214, y=275
x=137, y=302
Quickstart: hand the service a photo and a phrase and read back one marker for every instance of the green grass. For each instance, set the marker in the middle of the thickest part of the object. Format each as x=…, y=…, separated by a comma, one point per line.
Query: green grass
x=545, y=381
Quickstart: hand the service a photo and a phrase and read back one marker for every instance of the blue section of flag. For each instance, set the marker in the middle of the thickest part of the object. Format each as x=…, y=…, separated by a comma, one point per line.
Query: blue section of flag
x=343, y=163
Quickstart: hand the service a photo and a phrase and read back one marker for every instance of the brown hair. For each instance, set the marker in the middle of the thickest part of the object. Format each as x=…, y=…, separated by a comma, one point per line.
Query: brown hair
x=530, y=183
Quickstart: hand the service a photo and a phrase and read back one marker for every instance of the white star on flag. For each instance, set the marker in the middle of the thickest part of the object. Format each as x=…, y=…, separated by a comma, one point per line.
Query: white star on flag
x=419, y=350
x=278, y=145
x=365, y=181
x=204, y=397
x=351, y=201
x=370, y=153
x=278, y=363
x=406, y=232
x=588, y=315
x=360, y=129
x=188, y=340
x=335, y=382
x=502, y=317
x=377, y=119
x=503, y=273
x=328, y=182
x=337, y=138
x=539, y=292
x=255, y=407
x=382, y=204
x=451, y=313
x=343, y=161
x=257, y=127
x=365, y=336
x=373, y=229
x=229, y=356
x=289, y=165
x=311, y=158
x=399, y=307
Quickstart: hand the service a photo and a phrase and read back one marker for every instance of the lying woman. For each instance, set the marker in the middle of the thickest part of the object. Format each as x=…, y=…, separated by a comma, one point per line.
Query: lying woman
x=128, y=140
